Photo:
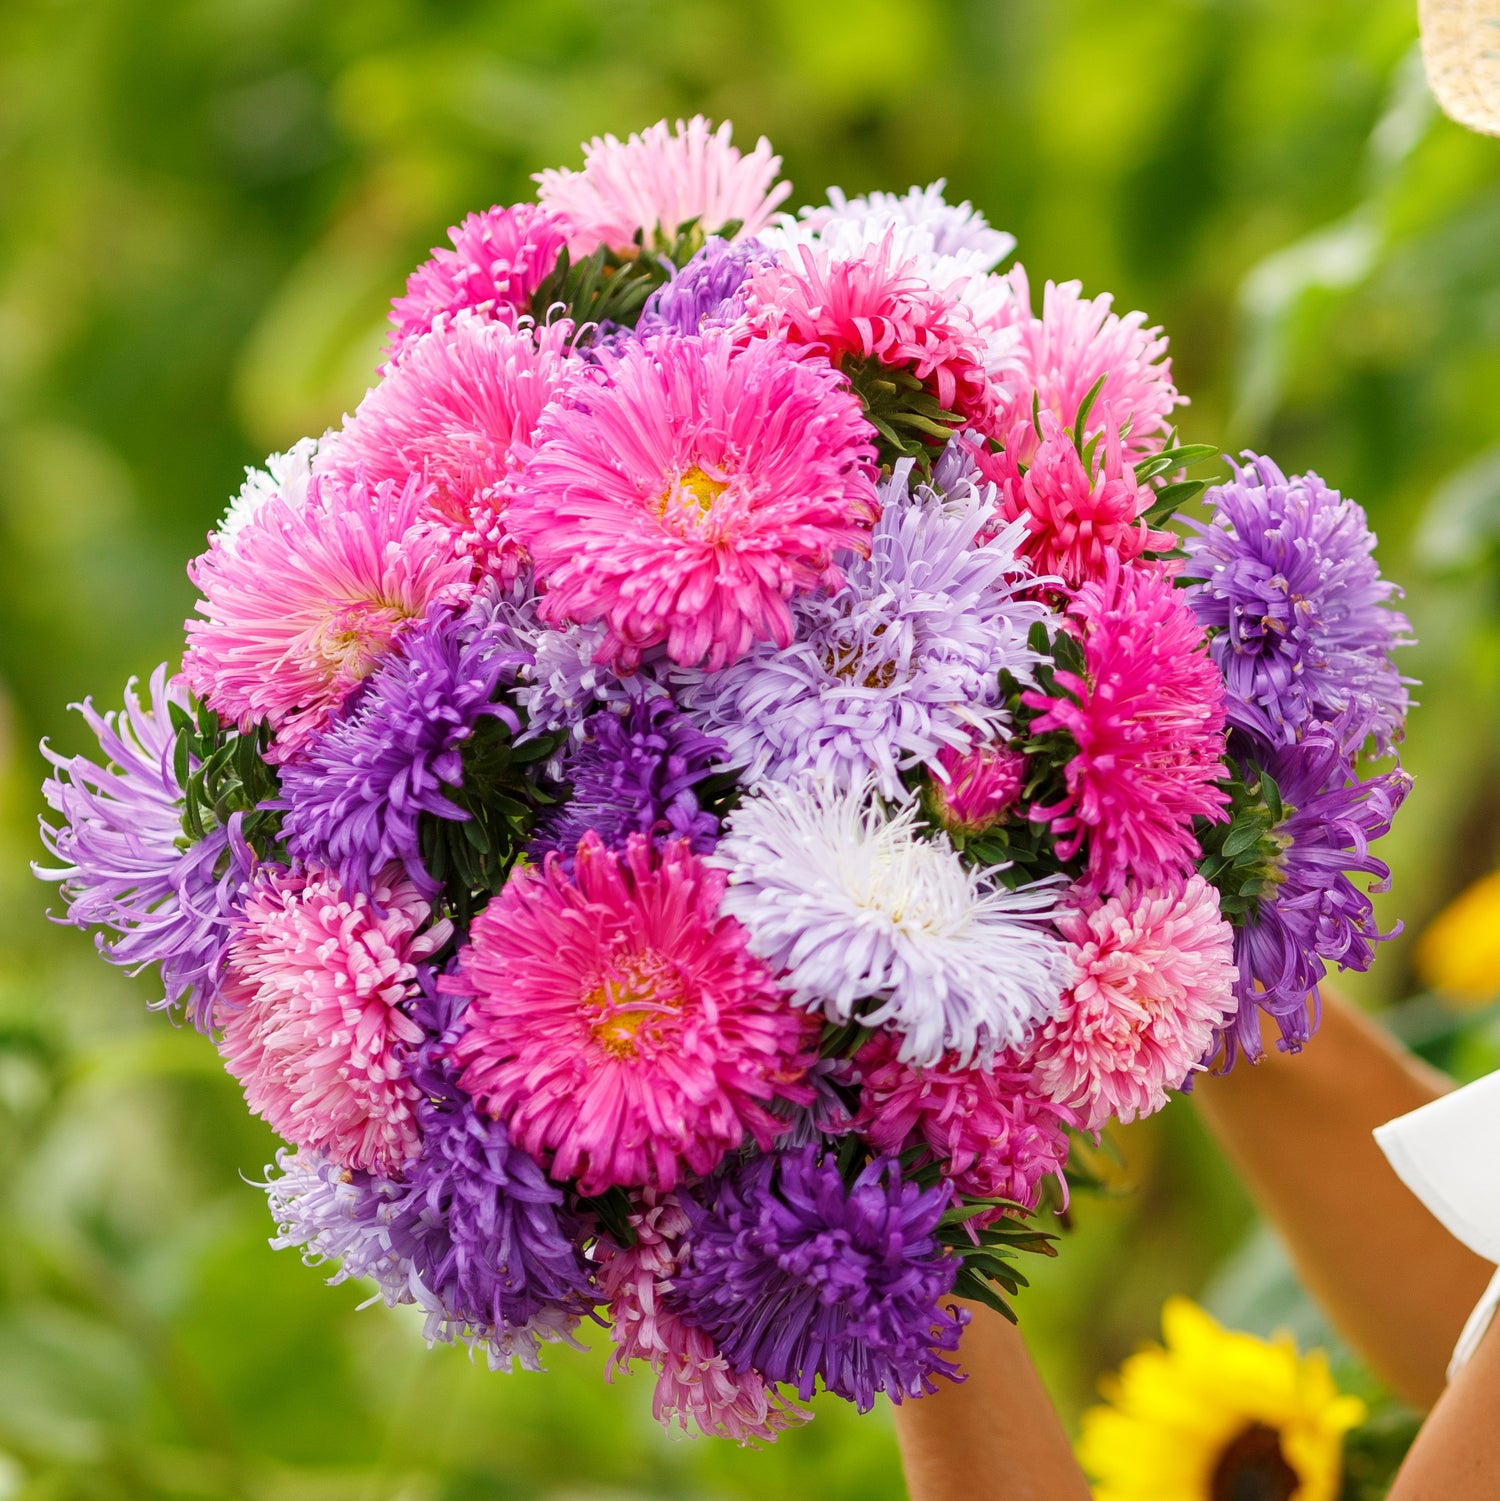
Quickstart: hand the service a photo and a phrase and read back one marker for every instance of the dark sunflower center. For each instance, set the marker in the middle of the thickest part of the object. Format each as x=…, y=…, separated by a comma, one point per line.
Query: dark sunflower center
x=1253, y=1468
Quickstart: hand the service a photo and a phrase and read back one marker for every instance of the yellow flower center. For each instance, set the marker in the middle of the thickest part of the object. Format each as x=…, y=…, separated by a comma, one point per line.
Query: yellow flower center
x=1253, y=1468
x=687, y=504
x=639, y=992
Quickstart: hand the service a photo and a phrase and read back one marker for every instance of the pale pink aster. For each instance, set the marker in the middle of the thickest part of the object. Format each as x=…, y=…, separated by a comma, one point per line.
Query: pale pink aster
x=1057, y=358
x=499, y=259
x=659, y=180
x=876, y=306
x=1148, y=719
x=688, y=497
x=974, y=789
x=621, y=1028
x=995, y=1134
x=457, y=412
x=1155, y=983
x=694, y=1383
x=310, y=597
x=314, y=1012
x=1076, y=516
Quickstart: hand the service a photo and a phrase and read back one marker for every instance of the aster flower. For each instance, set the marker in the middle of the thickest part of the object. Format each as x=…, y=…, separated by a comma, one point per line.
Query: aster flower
x=703, y=293
x=1077, y=516
x=125, y=864
x=656, y=182
x=335, y=1215
x=621, y=1028
x=875, y=307
x=1155, y=982
x=867, y=917
x=797, y=1275
x=1299, y=613
x=694, y=1382
x=1147, y=718
x=566, y=684
x=457, y=413
x=634, y=773
x=499, y=259
x=689, y=497
x=1312, y=914
x=993, y=1132
x=313, y=1012
x=886, y=672
x=354, y=802
x=1058, y=358
x=286, y=475
x=972, y=790
x=309, y=599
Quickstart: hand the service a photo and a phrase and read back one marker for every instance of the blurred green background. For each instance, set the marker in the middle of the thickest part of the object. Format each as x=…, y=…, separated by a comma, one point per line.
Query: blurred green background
x=204, y=208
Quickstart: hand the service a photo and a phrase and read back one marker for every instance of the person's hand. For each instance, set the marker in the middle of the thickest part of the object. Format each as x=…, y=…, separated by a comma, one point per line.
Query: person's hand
x=994, y=1434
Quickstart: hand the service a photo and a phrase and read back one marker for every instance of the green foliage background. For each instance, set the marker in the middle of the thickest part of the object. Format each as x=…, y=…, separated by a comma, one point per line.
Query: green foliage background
x=204, y=206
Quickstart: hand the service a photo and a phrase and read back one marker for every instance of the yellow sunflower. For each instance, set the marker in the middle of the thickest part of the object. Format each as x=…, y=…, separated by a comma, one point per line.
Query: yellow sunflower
x=1459, y=952
x=1218, y=1416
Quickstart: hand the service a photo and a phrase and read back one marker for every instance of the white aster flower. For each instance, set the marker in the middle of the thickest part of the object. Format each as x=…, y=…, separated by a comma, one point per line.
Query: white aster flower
x=286, y=474
x=866, y=917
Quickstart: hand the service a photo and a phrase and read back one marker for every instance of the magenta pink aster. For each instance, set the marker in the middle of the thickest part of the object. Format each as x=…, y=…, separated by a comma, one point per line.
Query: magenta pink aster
x=995, y=1133
x=1058, y=357
x=621, y=1028
x=314, y=1012
x=308, y=599
x=658, y=181
x=694, y=1382
x=1156, y=976
x=457, y=412
x=1147, y=716
x=876, y=307
x=687, y=498
x=973, y=790
x=1076, y=516
x=498, y=261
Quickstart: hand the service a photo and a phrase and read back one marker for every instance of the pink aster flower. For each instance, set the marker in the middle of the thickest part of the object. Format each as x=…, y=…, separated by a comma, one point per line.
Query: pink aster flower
x=499, y=259
x=457, y=412
x=995, y=1133
x=876, y=307
x=694, y=1383
x=621, y=1028
x=1149, y=725
x=974, y=789
x=1155, y=982
x=1058, y=357
x=314, y=1013
x=1076, y=517
x=309, y=598
x=659, y=180
x=689, y=496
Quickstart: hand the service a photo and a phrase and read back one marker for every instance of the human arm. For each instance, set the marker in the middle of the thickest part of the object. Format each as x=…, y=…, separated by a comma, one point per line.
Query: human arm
x=1298, y=1129
x=996, y=1433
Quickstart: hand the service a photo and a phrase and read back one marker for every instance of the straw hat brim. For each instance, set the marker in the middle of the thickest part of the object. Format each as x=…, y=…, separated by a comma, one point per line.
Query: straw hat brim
x=1461, y=49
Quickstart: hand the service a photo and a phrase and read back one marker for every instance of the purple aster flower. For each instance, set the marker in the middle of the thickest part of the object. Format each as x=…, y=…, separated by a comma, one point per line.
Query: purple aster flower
x=126, y=864
x=634, y=773
x=1299, y=612
x=1313, y=914
x=801, y=1277
x=565, y=685
x=354, y=801
x=702, y=294
x=899, y=663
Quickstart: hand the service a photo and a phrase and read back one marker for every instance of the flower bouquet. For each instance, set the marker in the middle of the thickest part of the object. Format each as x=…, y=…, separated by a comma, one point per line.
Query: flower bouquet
x=683, y=806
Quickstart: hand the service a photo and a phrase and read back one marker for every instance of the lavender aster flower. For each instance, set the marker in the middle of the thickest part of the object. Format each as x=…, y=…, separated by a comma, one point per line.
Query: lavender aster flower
x=564, y=686
x=1299, y=612
x=702, y=294
x=634, y=774
x=354, y=802
x=899, y=663
x=127, y=866
x=796, y=1275
x=1313, y=914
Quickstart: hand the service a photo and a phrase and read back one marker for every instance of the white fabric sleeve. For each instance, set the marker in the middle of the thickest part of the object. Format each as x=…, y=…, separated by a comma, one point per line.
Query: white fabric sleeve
x=1448, y=1154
